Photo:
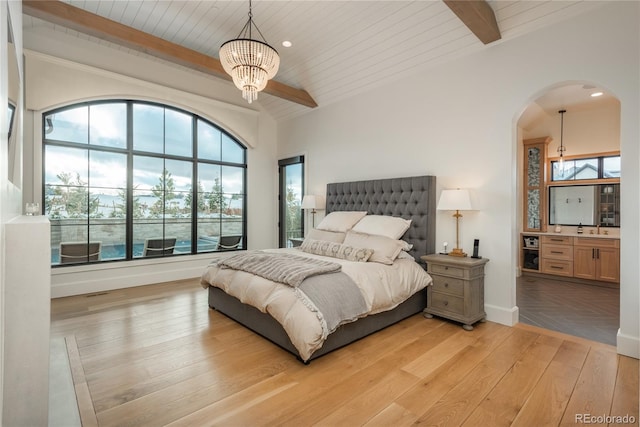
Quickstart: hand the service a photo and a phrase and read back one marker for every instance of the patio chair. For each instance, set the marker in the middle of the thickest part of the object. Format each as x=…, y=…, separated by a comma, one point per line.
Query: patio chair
x=229, y=242
x=76, y=252
x=158, y=247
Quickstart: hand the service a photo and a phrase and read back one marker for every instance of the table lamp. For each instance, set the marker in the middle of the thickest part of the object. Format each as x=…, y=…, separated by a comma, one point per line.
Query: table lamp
x=312, y=202
x=455, y=200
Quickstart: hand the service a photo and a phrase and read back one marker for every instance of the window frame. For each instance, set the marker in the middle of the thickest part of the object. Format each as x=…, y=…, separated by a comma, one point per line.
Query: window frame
x=130, y=154
x=600, y=178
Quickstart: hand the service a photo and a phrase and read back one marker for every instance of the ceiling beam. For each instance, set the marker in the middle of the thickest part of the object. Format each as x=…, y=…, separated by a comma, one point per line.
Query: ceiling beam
x=478, y=16
x=60, y=13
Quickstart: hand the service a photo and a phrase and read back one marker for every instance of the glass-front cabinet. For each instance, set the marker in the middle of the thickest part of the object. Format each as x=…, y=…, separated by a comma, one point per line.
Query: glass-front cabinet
x=535, y=157
x=609, y=213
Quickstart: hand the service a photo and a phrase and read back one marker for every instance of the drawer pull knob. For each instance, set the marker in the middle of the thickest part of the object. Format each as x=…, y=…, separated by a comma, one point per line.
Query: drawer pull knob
x=556, y=267
x=556, y=252
x=446, y=268
x=446, y=285
x=446, y=303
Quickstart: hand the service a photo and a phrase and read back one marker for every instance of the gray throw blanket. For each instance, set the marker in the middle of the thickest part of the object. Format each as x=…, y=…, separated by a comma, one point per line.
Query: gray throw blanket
x=336, y=296
x=283, y=268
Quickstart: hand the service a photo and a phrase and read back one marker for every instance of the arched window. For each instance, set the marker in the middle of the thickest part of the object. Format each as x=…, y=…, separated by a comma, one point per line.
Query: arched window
x=128, y=179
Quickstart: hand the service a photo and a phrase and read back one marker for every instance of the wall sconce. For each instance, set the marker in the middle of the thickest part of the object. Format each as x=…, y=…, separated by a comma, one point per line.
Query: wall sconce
x=455, y=200
x=313, y=202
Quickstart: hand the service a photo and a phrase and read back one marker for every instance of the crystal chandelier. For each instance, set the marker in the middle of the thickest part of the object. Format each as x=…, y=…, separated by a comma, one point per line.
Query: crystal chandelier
x=251, y=63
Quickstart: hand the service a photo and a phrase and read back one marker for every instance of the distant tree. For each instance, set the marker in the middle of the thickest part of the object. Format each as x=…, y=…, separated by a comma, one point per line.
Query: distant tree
x=120, y=208
x=231, y=200
x=293, y=212
x=164, y=191
x=202, y=204
x=215, y=199
x=71, y=199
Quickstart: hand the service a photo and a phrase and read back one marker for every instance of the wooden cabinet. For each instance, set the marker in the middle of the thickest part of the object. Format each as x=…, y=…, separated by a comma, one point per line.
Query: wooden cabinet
x=597, y=259
x=534, y=209
x=556, y=255
x=609, y=205
x=530, y=254
x=589, y=258
x=457, y=292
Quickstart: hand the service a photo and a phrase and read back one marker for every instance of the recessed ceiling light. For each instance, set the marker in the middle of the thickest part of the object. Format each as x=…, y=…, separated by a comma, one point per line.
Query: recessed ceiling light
x=596, y=94
x=286, y=43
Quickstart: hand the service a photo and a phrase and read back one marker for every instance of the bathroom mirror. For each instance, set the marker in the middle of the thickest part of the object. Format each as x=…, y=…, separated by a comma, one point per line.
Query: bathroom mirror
x=14, y=110
x=589, y=205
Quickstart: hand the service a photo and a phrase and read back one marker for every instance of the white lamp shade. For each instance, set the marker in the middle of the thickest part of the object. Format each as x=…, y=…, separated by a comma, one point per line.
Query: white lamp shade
x=455, y=200
x=312, y=202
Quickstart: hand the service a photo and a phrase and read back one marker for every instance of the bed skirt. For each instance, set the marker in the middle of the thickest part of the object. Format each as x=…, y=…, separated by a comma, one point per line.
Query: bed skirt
x=269, y=328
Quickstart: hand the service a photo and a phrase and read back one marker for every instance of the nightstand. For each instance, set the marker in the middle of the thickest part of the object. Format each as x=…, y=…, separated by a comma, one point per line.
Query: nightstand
x=457, y=292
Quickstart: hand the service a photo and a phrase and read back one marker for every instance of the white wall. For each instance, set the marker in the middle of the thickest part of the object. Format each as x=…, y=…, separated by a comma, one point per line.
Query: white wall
x=589, y=131
x=57, y=75
x=24, y=287
x=10, y=194
x=458, y=121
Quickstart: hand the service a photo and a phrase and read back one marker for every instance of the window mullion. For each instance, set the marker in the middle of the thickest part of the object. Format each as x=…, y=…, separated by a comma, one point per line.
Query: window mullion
x=195, y=197
x=129, y=190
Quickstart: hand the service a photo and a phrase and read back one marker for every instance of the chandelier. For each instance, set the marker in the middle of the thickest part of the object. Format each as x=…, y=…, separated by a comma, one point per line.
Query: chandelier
x=250, y=63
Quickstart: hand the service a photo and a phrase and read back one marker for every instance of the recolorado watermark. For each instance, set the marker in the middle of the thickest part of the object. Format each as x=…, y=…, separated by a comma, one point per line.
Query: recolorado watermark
x=604, y=419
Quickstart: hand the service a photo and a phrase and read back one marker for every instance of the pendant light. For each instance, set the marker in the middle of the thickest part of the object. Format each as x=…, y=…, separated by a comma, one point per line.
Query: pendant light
x=250, y=63
x=561, y=148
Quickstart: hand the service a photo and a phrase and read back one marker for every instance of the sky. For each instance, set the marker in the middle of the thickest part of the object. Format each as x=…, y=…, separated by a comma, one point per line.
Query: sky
x=155, y=130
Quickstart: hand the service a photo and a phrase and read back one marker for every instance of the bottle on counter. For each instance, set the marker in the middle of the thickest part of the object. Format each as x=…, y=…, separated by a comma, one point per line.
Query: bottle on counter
x=580, y=228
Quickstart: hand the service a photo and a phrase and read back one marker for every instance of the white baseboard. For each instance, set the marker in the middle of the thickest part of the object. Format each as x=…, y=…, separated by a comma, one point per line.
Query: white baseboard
x=502, y=315
x=628, y=345
x=95, y=278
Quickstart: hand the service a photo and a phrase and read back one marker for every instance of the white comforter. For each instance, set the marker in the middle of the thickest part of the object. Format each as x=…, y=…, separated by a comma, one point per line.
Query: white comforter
x=383, y=286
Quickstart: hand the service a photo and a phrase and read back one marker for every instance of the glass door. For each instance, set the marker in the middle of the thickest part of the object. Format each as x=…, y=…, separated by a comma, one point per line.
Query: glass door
x=291, y=224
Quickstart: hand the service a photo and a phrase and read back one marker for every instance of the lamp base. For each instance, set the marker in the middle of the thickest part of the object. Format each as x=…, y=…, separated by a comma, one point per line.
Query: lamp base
x=457, y=252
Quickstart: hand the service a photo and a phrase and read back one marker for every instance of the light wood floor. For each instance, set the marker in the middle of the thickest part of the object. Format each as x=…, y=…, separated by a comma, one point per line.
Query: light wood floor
x=157, y=355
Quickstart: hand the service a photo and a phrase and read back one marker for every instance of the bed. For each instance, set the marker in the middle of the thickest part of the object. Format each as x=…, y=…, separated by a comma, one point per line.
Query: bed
x=411, y=198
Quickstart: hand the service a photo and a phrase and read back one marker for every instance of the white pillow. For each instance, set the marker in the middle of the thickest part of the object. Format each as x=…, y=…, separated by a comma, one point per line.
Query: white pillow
x=341, y=221
x=327, y=236
x=385, y=249
x=382, y=225
x=405, y=255
x=406, y=246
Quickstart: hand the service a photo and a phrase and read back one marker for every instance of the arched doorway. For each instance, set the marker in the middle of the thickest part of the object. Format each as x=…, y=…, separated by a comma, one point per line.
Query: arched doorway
x=587, y=128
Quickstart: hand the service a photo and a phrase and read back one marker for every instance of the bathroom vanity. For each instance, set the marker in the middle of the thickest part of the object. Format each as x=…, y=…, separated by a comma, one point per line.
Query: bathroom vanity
x=582, y=256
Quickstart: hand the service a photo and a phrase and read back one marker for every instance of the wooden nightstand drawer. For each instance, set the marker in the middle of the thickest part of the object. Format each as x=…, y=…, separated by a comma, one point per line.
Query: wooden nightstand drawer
x=446, y=270
x=448, y=285
x=447, y=303
x=558, y=267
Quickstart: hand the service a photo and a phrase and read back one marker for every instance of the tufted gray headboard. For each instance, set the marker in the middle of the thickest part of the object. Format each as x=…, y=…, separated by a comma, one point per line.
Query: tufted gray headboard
x=410, y=198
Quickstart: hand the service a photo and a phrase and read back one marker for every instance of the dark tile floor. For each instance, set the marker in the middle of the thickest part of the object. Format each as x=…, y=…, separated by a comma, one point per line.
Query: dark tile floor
x=586, y=311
